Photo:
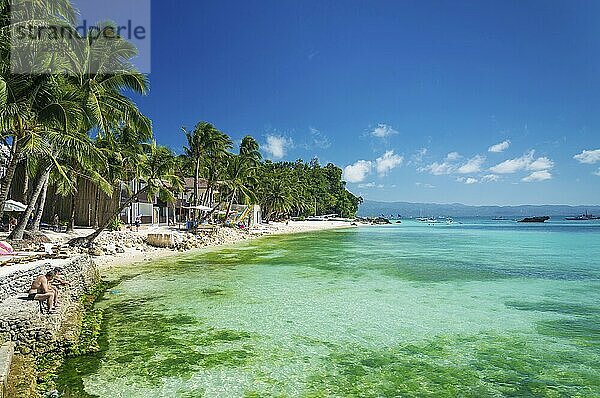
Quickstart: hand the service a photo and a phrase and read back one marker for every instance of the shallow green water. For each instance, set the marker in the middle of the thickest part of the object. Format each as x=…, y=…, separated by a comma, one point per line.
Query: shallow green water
x=473, y=310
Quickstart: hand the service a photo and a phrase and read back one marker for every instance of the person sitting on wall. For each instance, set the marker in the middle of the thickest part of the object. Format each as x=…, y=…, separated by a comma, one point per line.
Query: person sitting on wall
x=58, y=277
x=41, y=290
x=58, y=281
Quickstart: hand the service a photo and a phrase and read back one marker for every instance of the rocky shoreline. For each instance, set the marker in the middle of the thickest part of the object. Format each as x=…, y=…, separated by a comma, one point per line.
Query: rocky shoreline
x=34, y=334
x=117, y=248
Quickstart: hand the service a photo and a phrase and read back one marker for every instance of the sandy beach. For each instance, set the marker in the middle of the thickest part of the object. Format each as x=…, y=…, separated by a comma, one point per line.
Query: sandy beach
x=114, y=254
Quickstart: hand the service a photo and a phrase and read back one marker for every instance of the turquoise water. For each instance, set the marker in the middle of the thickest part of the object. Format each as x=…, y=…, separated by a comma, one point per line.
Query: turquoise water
x=478, y=309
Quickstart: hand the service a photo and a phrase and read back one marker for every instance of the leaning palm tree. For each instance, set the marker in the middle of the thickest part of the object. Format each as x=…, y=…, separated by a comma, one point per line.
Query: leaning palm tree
x=53, y=149
x=24, y=97
x=91, y=82
x=157, y=168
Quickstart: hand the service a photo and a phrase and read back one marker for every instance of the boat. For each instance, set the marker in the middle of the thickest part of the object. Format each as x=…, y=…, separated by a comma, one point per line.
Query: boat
x=583, y=217
x=500, y=218
x=535, y=219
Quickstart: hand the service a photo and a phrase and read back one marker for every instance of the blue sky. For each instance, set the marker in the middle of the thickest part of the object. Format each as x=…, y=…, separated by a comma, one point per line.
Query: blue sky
x=410, y=95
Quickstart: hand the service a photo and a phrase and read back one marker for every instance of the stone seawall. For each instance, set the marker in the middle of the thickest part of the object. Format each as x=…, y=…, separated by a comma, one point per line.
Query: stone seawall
x=21, y=320
x=29, y=332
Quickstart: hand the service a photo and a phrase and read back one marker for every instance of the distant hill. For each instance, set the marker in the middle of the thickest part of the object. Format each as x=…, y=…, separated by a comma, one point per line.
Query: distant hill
x=407, y=209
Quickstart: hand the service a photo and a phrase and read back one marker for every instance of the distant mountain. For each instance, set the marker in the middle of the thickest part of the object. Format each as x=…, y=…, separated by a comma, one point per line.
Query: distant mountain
x=407, y=209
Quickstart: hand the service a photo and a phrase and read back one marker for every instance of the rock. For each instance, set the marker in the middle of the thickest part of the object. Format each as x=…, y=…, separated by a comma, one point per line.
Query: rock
x=95, y=251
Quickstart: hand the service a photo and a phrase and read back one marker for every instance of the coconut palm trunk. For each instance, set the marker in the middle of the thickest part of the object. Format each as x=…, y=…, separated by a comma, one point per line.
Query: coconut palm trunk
x=71, y=224
x=10, y=173
x=210, y=213
x=229, y=206
x=91, y=237
x=96, y=208
x=40, y=209
x=19, y=231
x=196, y=193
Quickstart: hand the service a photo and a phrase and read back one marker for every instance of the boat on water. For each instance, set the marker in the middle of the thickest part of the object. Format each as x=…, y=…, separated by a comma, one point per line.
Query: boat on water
x=500, y=218
x=535, y=219
x=583, y=217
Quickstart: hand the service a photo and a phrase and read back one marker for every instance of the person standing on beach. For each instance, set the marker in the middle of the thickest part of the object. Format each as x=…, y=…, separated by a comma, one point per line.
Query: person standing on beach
x=138, y=221
x=41, y=290
x=55, y=222
x=12, y=223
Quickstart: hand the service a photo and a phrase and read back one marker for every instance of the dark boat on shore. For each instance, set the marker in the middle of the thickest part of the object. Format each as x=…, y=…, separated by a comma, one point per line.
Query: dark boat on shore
x=583, y=217
x=535, y=219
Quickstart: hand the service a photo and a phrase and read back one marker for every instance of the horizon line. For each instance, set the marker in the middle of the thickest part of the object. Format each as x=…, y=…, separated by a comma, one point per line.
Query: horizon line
x=482, y=205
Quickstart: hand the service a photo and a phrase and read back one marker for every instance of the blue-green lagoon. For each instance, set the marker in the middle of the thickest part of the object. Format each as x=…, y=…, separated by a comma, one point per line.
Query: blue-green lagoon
x=478, y=309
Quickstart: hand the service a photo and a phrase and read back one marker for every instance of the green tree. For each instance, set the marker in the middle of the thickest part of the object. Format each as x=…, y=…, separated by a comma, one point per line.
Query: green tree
x=156, y=168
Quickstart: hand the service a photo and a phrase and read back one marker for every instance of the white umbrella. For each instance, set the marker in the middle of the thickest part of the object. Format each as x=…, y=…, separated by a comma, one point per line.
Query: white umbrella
x=13, y=205
x=199, y=207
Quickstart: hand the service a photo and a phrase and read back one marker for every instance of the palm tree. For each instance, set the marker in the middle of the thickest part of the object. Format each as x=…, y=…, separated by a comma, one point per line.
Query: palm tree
x=157, y=168
x=241, y=173
x=241, y=181
x=92, y=76
x=250, y=151
x=53, y=150
x=207, y=147
x=25, y=99
x=277, y=201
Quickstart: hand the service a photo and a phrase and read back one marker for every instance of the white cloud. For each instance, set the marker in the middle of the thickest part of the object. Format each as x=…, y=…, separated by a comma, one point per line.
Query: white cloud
x=439, y=169
x=538, y=176
x=383, y=130
x=452, y=156
x=387, y=162
x=500, y=147
x=588, y=156
x=418, y=156
x=449, y=165
x=473, y=165
x=490, y=178
x=277, y=145
x=319, y=140
x=513, y=165
x=372, y=185
x=540, y=164
x=424, y=185
x=525, y=162
x=358, y=171
x=469, y=180
x=367, y=185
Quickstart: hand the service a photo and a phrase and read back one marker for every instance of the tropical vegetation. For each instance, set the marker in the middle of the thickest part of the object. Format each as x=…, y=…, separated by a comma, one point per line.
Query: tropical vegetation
x=81, y=126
